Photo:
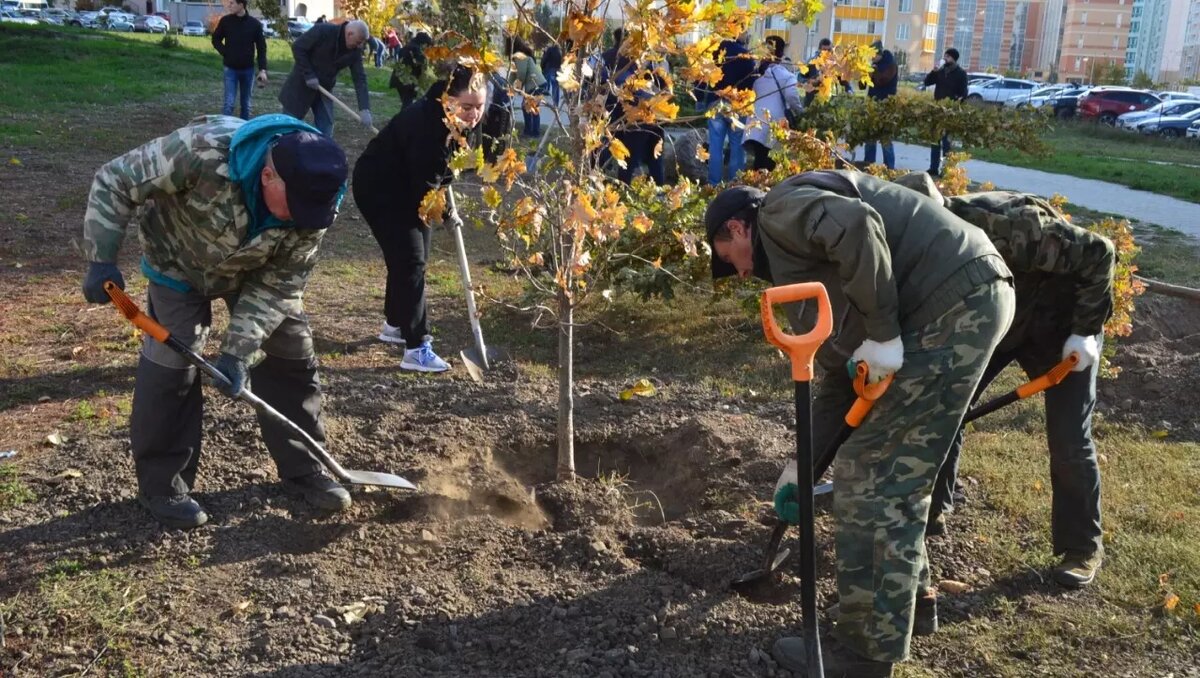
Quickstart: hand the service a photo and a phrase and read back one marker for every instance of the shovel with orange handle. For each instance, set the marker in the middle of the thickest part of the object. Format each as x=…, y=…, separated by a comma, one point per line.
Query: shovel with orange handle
x=160, y=334
x=801, y=349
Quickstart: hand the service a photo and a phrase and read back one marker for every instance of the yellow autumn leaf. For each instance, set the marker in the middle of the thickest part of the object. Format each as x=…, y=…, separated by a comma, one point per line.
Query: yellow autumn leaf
x=492, y=197
x=658, y=149
x=642, y=388
x=489, y=174
x=566, y=75
x=620, y=152
x=1170, y=602
x=1196, y=609
x=701, y=153
x=14, y=161
x=433, y=207
x=1160, y=434
x=536, y=259
x=641, y=223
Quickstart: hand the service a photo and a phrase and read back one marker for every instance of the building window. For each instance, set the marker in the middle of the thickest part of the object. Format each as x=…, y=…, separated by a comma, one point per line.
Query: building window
x=1133, y=42
x=871, y=28
x=1083, y=19
x=837, y=25
x=1076, y=63
x=906, y=6
x=902, y=32
x=1116, y=41
x=1079, y=45
x=1119, y=20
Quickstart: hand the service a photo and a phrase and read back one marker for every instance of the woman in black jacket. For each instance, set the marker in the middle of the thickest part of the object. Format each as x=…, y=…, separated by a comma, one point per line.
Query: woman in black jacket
x=400, y=165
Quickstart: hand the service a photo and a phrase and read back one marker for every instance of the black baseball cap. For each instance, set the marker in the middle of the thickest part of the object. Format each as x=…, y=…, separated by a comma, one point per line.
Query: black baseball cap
x=724, y=207
x=313, y=169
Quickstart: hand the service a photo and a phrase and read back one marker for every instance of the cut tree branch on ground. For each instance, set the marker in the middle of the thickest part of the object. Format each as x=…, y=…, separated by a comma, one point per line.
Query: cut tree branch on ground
x=1159, y=287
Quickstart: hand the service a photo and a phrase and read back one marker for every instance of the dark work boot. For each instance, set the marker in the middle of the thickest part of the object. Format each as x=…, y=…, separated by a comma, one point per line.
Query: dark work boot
x=177, y=511
x=838, y=661
x=937, y=526
x=1078, y=570
x=320, y=490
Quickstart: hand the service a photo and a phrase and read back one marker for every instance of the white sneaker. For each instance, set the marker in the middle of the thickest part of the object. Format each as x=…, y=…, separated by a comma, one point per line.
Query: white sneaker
x=390, y=334
x=423, y=359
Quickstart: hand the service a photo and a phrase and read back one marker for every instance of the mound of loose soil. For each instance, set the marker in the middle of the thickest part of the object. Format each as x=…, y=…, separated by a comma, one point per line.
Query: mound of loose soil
x=1160, y=368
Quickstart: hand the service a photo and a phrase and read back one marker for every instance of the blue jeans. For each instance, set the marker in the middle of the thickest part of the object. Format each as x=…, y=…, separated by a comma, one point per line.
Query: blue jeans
x=235, y=79
x=721, y=128
x=552, y=83
x=533, y=123
x=936, y=151
x=889, y=154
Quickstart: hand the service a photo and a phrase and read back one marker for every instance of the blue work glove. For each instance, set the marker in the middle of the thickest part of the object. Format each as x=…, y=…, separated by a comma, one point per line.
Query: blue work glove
x=365, y=117
x=787, y=505
x=100, y=272
x=234, y=369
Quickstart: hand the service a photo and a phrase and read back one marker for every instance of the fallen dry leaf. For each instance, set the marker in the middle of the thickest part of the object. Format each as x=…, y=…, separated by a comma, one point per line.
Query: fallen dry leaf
x=954, y=587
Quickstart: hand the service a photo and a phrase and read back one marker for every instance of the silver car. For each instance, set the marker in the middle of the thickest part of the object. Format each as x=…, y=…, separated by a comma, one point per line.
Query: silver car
x=1167, y=109
x=193, y=28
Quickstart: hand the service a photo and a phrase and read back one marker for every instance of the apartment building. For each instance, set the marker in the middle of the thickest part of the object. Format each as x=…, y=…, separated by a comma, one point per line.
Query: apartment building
x=1189, y=66
x=906, y=27
x=1003, y=35
x=1095, y=35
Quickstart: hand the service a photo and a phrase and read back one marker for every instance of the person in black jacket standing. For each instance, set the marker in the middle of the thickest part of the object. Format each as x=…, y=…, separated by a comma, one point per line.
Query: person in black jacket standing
x=320, y=54
x=404, y=162
x=236, y=37
x=949, y=82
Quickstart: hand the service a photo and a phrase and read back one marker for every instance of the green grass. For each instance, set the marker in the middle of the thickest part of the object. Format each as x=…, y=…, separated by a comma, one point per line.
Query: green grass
x=13, y=490
x=59, y=84
x=1169, y=256
x=1094, y=151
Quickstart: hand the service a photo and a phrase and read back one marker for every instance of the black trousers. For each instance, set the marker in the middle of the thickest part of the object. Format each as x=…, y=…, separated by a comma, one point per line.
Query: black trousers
x=762, y=156
x=405, y=242
x=495, y=130
x=641, y=142
x=168, y=409
x=1074, y=469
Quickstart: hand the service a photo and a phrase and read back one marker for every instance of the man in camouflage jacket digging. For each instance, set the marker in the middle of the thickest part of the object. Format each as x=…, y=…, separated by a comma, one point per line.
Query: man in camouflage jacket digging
x=1063, y=276
x=229, y=210
x=916, y=292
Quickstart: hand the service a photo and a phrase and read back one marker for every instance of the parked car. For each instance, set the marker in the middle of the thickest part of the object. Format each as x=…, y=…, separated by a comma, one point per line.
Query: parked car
x=85, y=20
x=1193, y=132
x=193, y=28
x=58, y=16
x=120, y=22
x=1166, y=109
x=297, y=27
x=1065, y=104
x=1174, y=126
x=1104, y=104
x=1178, y=96
x=269, y=32
x=148, y=23
x=11, y=17
x=999, y=90
x=972, y=78
x=1035, y=98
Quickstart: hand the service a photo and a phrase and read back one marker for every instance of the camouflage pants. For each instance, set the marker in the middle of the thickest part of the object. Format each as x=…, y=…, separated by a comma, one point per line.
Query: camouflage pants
x=884, y=473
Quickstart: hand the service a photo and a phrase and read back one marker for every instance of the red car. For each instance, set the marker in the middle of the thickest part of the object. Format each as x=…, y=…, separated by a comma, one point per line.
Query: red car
x=1106, y=103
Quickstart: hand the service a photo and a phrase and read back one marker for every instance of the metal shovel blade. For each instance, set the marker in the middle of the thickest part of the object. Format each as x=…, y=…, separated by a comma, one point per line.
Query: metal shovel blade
x=751, y=578
x=478, y=363
x=378, y=479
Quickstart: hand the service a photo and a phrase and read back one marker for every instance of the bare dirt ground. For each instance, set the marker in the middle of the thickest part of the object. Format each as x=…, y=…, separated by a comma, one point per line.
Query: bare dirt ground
x=492, y=570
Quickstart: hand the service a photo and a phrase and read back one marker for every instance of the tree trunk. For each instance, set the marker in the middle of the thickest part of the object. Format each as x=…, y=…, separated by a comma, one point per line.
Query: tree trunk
x=566, y=387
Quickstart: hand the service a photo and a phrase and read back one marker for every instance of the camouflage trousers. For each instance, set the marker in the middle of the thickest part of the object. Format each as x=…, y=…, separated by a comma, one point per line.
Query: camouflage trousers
x=884, y=473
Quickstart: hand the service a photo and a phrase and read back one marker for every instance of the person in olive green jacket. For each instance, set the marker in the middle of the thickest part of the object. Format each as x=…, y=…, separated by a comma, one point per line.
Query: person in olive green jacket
x=917, y=293
x=1064, y=277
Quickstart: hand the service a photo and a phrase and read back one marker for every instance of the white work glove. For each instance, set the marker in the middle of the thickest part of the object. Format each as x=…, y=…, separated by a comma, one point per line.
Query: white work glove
x=454, y=221
x=364, y=116
x=313, y=83
x=883, y=359
x=1086, y=347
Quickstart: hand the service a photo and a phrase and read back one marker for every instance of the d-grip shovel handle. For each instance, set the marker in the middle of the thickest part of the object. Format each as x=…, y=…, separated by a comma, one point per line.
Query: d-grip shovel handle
x=1052, y=378
x=800, y=347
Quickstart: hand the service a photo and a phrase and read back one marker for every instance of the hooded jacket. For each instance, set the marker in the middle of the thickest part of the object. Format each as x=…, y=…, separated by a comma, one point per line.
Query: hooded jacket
x=202, y=229
x=892, y=260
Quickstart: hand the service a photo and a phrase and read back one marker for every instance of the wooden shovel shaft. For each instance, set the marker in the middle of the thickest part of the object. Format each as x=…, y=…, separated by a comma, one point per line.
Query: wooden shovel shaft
x=353, y=113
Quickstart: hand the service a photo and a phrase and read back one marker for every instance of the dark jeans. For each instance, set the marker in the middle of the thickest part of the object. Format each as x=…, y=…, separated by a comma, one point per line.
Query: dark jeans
x=936, y=151
x=641, y=143
x=405, y=242
x=762, y=156
x=1074, y=471
x=168, y=409
x=238, y=79
x=533, y=123
x=553, y=88
x=889, y=154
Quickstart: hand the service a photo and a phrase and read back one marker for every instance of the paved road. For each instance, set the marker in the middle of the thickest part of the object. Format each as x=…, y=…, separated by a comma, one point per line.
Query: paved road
x=1097, y=195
